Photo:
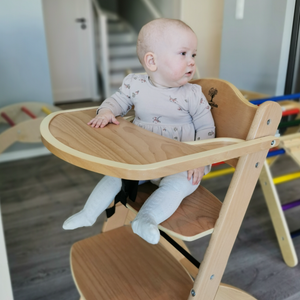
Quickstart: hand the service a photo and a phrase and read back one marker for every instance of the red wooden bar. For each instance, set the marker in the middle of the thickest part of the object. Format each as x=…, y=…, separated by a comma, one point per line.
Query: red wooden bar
x=288, y=112
x=28, y=112
x=7, y=119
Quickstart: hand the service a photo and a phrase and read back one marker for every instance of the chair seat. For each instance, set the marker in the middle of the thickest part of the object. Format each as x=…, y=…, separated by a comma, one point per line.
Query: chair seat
x=195, y=217
x=120, y=265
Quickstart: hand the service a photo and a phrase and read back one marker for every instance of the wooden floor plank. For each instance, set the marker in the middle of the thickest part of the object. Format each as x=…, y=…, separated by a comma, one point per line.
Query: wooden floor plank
x=38, y=194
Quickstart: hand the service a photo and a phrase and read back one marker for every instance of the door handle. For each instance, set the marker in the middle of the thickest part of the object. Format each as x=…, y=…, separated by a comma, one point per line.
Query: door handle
x=81, y=20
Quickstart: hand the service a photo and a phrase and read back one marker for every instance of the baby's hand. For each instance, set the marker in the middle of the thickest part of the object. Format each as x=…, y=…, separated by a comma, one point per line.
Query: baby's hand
x=103, y=118
x=197, y=175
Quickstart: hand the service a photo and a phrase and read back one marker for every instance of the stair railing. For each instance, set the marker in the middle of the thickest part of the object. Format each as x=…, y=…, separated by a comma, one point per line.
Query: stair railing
x=152, y=9
x=102, y=48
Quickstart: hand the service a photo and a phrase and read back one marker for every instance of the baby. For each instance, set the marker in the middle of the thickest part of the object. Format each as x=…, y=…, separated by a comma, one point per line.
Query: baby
x=164, y=103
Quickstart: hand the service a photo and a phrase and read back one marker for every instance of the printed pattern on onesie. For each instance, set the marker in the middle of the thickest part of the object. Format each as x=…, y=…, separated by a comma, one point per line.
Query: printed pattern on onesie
x=180, y=113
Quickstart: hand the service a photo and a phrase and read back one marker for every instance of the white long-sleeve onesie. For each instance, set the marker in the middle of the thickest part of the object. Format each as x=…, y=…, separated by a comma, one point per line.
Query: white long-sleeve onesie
x=180, y=113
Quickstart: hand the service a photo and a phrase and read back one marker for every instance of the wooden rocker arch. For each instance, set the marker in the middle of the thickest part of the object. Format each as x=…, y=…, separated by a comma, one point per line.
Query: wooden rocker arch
x=25, y=119
x=118, y=264
x=289, y=141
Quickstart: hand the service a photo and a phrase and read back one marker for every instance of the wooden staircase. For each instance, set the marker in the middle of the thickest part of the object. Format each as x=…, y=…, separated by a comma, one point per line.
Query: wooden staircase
x=122, y=51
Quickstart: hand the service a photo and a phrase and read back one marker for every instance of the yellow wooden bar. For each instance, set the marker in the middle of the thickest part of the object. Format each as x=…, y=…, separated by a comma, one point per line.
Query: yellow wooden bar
x=277, y=180
x=285, y=178
x=219, y=173
x=46, y=110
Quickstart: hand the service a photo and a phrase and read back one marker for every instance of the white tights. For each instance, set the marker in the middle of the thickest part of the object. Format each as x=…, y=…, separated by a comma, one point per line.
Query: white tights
x=157, y=208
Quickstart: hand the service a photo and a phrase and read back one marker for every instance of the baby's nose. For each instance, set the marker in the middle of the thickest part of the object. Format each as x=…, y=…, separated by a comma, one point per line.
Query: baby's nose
x=191, y=61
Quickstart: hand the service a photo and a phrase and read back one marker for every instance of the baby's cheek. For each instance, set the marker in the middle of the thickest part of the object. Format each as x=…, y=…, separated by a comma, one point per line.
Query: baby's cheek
x=175, y=73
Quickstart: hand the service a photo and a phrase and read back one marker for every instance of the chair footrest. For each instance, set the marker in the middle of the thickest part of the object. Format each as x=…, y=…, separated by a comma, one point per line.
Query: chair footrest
x=120, y=265
x=195, y=217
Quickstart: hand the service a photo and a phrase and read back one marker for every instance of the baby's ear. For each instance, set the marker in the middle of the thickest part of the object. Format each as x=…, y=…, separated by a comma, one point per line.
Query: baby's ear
x=150, y=63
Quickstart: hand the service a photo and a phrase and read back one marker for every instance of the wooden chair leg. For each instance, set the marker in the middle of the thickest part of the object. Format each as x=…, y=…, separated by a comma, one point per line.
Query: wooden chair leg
x=277, y=216
x=130, y=217
x=228, y=292
x=117, y=220
x=226, y=229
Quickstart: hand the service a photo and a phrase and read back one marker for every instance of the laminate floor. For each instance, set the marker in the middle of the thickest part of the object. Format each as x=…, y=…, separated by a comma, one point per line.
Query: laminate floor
x=38, y=194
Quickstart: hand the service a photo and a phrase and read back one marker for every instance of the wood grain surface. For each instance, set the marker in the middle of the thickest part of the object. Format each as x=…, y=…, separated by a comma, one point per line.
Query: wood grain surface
x=195, y=217
x=130, y=152
x=120, y=265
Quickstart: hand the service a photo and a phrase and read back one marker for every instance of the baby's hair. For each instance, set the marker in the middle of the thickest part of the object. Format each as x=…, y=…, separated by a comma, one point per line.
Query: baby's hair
x=151, y=34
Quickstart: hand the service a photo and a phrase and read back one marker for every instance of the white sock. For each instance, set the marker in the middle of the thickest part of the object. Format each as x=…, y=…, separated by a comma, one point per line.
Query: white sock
x=161, y=204
x=100, y=198
x=146, y=227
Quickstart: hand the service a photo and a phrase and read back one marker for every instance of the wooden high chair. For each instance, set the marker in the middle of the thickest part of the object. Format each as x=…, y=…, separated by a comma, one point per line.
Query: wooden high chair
x=118, y=264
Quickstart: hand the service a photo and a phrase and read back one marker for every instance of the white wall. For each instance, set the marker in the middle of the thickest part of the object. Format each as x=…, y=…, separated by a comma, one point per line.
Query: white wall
x=255, y=49
x=24, y=69
x=168, y=8
x=205, y=18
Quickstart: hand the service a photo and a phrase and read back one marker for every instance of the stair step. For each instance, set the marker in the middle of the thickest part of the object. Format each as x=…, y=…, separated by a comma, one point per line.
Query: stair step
x=119, y=51
x=111, y=16
x=116, y=77
x=122, y=38
x=114, y=88
x=122, y=51
x=123, y=64
x=118, y=27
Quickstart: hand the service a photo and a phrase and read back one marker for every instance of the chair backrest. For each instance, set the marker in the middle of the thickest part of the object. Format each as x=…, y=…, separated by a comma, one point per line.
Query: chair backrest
x=233, y=114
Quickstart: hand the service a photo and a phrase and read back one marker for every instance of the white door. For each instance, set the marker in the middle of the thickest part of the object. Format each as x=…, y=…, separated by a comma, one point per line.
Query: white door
x=70, y=44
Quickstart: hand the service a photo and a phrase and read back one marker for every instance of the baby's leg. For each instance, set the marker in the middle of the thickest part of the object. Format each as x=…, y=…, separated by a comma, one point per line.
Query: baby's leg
x=100, y=198
x=161, y=205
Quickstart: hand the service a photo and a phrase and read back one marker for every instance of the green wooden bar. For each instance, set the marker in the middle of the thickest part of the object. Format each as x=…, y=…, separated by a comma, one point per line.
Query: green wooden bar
x=289, y=123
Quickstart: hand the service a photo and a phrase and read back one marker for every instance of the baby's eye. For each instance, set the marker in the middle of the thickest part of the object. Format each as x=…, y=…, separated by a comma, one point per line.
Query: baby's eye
x=194, y=55
x=183, y=53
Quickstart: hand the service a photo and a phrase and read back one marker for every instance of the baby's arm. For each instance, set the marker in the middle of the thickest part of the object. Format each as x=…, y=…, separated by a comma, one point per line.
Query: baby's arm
x=203, y=132
x=104, y=117
x=204, y=127
x=116, y=105
x=108, y=111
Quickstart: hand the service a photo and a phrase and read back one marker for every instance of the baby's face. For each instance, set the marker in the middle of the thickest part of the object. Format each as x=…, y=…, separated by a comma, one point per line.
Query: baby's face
x=176, y=58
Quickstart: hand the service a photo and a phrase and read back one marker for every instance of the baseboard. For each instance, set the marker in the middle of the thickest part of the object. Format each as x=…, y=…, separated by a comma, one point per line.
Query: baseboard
x=22, y=154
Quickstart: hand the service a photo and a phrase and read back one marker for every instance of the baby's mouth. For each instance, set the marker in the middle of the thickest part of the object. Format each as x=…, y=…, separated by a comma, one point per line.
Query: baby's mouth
x=189, y=73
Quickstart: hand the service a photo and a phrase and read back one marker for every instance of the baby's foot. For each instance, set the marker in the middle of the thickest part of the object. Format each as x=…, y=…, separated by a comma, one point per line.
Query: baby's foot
x=76, y=221
x=146, y=228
